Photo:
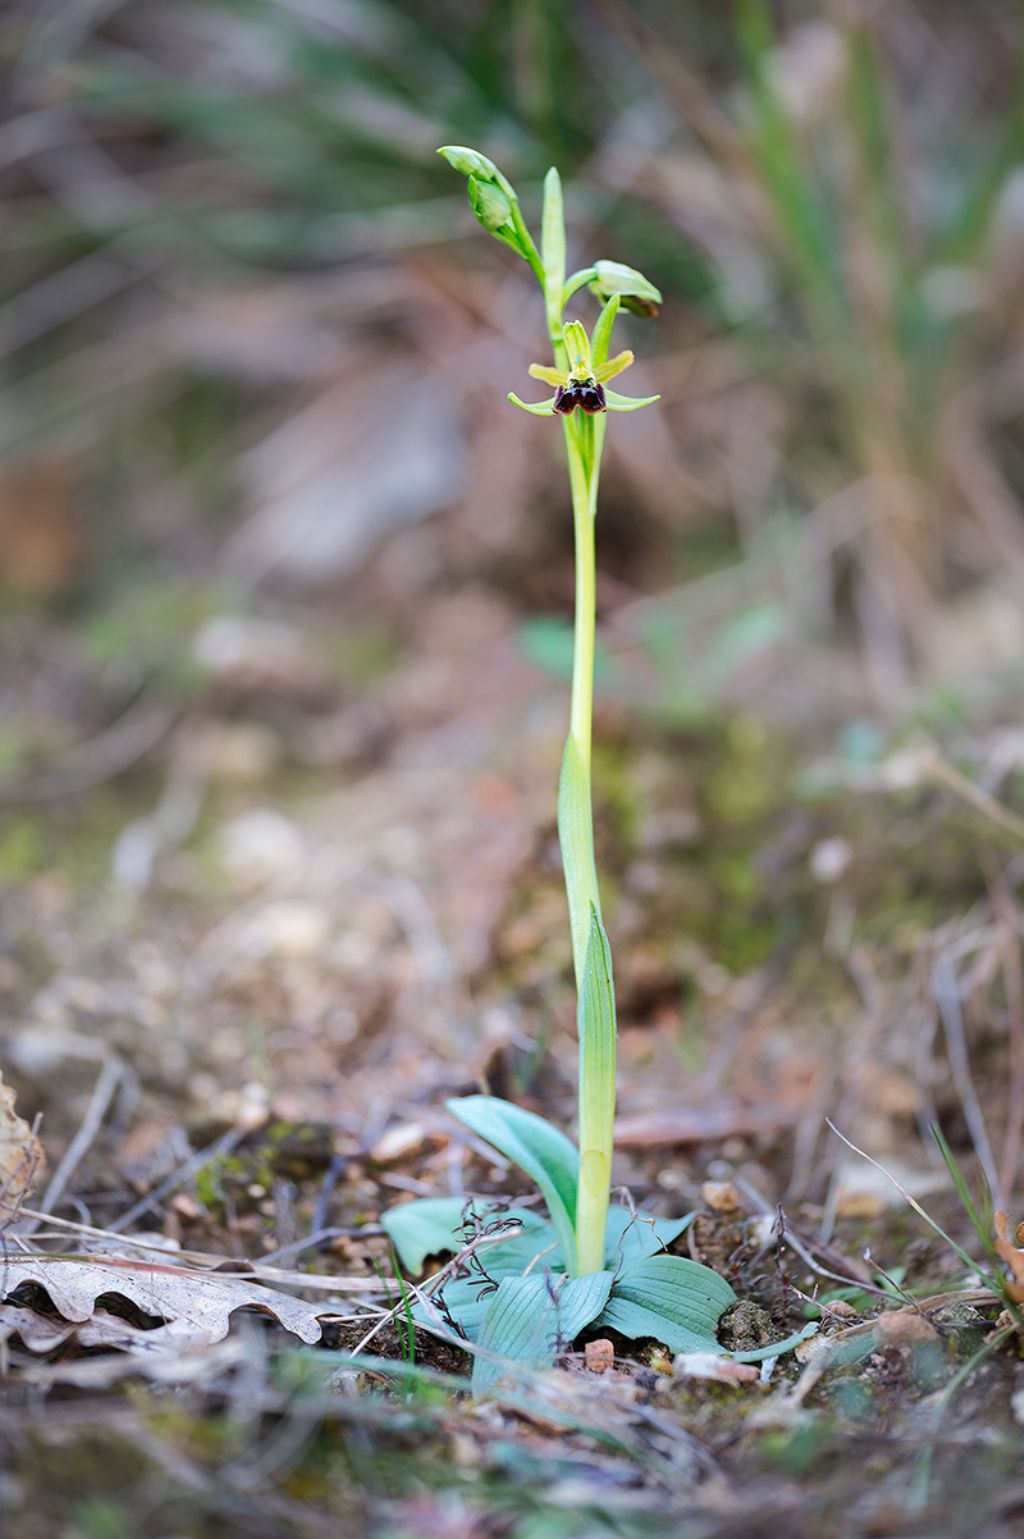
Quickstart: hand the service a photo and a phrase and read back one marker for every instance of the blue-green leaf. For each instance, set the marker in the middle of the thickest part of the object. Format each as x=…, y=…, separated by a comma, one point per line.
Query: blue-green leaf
x=531, y=1319
x=426, y=1227
x=632, y=1238
x=776, y=1348
x=433, y=1226
x=544, y=1153
x=675, y=1301
x=466, y=1299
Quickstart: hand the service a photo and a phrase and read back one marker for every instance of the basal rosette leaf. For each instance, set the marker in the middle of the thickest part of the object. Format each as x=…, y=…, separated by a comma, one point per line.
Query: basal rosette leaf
x=671, y=1299
x=531, y=1319
x=680, y=1303
x=539, y=1149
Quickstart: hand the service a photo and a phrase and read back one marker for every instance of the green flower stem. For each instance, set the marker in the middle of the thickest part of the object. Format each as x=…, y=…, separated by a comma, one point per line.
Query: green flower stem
x=582, y=708
x=597, y=1074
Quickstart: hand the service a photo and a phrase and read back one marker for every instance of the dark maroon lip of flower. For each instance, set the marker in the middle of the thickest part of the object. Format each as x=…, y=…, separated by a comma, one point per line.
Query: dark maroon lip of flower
x=588, y=395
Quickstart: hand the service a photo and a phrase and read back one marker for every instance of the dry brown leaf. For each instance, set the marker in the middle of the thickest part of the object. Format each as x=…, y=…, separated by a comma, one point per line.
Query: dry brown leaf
x=21, y=1156
x=195, y=1306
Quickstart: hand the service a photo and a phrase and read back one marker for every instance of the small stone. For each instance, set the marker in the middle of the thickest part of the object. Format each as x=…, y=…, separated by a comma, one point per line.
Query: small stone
x=903, y=1328
x=721, y=1196
x=186, y=1207
x=398, y=1141
x=599, y=1355
x=260, y=845
x=830, y=859
x=287, y=930
x=240, y=752
x=248, y=654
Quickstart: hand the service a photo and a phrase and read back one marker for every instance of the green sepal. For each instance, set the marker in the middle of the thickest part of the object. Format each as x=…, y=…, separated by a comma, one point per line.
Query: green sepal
x=576, y=281
x=471, y=163
x=494, y=202
x=617, y=402
x=493, y=207
x=603, y=330
x=637, y=293
x=535, y=408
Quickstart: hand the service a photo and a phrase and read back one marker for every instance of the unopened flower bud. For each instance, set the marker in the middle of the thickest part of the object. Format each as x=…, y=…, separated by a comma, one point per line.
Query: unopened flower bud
x=636, y=292
x=492, y=206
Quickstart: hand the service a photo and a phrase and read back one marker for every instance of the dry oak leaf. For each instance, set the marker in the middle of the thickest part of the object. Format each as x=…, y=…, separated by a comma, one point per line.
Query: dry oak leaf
x=195, y=1306
x=21, y=1156
x=1013, y=1257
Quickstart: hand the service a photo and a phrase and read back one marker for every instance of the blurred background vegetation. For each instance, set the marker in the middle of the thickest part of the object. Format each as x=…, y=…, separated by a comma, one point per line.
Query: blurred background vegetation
x=256, y=353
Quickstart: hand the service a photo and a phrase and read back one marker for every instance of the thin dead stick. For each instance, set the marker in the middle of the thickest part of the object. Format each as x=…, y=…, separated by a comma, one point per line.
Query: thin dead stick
x=132, y=737
x=946, y=989
x=807, y=1257
x=107, y=1082
x=941, y=770
x=223, y=1145
x=994, y=1281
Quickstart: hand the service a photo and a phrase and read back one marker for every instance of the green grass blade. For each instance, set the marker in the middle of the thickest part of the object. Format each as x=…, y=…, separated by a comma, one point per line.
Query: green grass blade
x=981, y=1223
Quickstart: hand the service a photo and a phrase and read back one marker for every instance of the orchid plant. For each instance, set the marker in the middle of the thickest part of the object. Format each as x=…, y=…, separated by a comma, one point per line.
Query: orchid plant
x=525, y=1286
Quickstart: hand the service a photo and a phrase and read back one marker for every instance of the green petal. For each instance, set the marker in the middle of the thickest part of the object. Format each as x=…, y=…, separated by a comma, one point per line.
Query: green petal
x=617, y=402
x=538, y=408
